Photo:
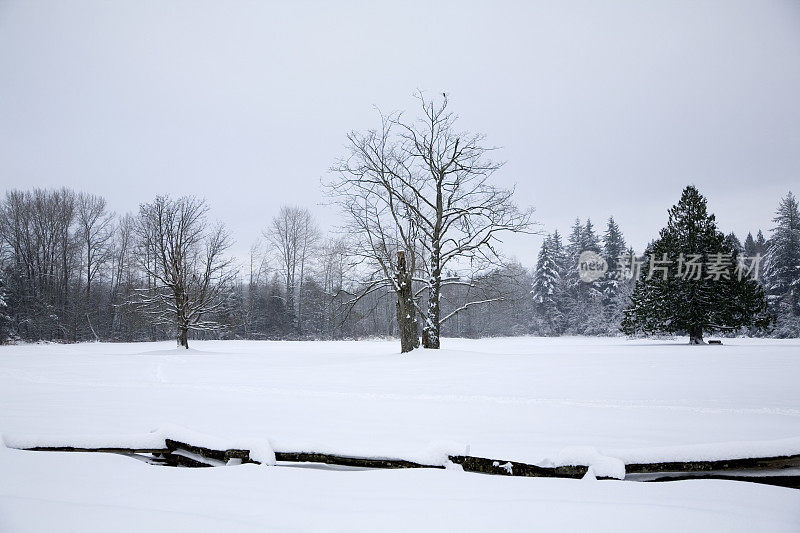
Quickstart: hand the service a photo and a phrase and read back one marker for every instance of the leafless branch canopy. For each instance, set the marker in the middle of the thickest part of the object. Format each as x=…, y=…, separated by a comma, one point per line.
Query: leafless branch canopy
x=183, y=258
x=423, y=187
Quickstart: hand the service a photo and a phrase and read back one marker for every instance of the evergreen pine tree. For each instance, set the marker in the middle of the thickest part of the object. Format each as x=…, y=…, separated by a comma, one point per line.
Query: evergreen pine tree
x=546, y=286
x=581, y=302
x=570, y=296
x=589, y=239
x=546, y=276
x=782, y=260
x=761, y=244
x=750, y=249
x=573, y=250
x=561, y=259
x=734, y=242
x=613, y=246
x=670, y=298
x=559, y=254
x=615, y=289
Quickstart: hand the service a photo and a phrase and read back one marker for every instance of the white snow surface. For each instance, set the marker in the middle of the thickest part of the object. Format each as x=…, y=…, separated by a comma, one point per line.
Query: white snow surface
x=599, y=464
x=601, y=402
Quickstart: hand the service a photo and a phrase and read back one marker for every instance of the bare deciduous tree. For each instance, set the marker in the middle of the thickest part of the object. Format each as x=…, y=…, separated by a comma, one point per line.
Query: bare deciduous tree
x=383, y=230
x=185, y=260
x=423, y=188
x=122, y=273
x=94, y=232
x=293, y=234
x=461, y=214
x=336, y=263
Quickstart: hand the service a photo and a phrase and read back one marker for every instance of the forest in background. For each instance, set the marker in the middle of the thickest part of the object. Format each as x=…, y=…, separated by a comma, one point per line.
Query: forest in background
x=72, y=271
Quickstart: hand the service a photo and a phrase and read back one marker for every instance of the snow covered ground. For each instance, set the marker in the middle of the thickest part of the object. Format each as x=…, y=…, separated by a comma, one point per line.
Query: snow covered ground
x=527, y=399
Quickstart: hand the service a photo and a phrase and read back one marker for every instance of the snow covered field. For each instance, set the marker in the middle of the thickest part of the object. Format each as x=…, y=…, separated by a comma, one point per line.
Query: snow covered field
x=525, y=399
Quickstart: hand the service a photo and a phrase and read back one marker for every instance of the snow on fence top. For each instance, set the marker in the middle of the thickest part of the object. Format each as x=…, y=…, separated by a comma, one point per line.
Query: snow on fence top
x=438, y=454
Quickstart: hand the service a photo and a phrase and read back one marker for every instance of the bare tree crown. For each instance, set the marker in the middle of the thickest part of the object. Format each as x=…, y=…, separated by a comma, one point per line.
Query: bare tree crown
x=184, y=258
x=423, y=188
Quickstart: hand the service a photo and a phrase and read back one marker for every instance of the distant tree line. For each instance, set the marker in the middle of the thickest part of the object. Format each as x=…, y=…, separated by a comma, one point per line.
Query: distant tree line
x=418, y=257
x=72, y=271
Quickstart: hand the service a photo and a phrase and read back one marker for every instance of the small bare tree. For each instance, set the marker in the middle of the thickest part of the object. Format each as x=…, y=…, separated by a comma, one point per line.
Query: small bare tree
x=293, y=234
x=94, y=232
x=335, y=265
x=122, y=266
x=185, y=260
x=95, y=226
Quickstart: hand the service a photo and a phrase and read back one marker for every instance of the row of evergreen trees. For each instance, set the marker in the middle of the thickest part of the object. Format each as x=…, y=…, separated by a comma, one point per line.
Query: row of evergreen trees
x=563, y=304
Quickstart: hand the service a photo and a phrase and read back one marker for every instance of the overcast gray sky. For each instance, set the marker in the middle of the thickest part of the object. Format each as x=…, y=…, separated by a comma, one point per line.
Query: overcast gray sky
x=600, y=108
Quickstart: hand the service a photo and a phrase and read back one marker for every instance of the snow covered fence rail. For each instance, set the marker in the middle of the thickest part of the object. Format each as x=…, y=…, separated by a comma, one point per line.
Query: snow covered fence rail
x=514, y=468
x=174, y=446
x=208, y=456
x=346, y=460
x=177, y=453
x=754, y=463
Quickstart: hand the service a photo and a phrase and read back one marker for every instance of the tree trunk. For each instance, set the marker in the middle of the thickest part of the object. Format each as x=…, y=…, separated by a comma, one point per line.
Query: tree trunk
x=182, y=321
x=183, y=334
x=300, y=299
x=430, y=334
x=696, y=335
x=290, y=308
x=406, y=314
